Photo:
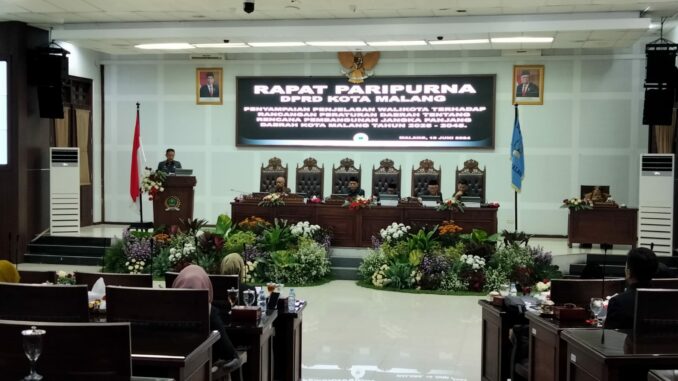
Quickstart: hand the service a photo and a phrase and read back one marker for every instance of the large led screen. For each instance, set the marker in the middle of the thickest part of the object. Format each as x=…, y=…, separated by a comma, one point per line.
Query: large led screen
x=435, y=111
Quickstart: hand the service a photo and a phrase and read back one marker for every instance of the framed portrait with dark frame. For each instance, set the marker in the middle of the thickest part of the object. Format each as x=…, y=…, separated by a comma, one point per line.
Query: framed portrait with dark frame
x=528, y=84
x=208, y=89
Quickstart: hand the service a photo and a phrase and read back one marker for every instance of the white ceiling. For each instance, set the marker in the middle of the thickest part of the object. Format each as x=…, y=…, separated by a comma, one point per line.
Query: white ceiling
x=115, y=26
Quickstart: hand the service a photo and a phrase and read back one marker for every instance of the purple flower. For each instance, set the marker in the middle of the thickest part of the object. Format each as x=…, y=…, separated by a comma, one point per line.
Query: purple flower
x=137, y=247
x=252, y=253
x=434, y=265
x=376, y=242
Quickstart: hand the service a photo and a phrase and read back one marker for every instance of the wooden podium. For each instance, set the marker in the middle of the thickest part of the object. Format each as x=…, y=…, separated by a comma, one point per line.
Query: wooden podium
x=175, y=203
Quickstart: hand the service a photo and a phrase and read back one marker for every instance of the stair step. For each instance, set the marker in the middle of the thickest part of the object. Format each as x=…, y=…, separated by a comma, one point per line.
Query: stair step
x=52, y=249
x=344, y=273
x=346, y=262
x=621, y=259
x=73, y=241
x=62, y=259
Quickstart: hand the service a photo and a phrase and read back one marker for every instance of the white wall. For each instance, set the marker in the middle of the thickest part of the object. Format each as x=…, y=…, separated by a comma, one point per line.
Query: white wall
x=587, y=132
x=85, y=63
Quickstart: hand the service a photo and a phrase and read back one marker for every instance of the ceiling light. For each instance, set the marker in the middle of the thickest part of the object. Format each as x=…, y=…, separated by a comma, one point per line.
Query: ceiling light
x=335, y=43
x=223, y=45
x=460, y=42
x=397, y=43
x=513, y=40
x=166, y=46
x=275, y=44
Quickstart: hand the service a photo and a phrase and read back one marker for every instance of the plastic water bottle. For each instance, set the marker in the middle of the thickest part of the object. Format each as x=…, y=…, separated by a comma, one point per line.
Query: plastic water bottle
x=291, y=301
x=262, y=302
x=514, y=290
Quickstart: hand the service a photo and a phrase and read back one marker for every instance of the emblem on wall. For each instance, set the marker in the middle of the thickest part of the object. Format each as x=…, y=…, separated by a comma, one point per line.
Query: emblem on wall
x=172, y=204
x=358, y=66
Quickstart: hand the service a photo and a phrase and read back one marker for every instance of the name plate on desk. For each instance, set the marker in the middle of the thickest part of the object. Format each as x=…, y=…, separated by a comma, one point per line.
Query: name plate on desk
x=472, y=204
x=429, y=204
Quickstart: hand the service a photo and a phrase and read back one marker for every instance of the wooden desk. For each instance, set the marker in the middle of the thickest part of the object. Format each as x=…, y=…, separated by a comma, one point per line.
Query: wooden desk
x=355, y=228
x=620, y=358
x=496, y=347
x=259, y=341
x=663, y=375
x=183, y=358
x=548, y=351
x=603, y=225
x=287, y=345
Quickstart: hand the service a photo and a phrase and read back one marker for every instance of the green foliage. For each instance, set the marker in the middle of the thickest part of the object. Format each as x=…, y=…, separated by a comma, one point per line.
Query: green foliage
x=371, y=263
x=423, y=240
x=454, y=253
x=224, y=226
x=399, y=275
x=276, y=237
x=396, y=252
x=481, y=237
x=236, y=242
x=114, y=258
x=518, y=238
x=415, y=257
x=161, y=263
x=306, y=265
x=192, y=225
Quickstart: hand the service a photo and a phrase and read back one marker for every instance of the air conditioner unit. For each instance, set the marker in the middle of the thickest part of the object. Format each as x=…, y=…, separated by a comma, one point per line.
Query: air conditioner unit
x=64, y=198
x=655, y=202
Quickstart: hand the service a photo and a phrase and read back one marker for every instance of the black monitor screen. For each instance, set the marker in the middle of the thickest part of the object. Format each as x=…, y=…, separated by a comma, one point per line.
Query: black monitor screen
x=389, y=112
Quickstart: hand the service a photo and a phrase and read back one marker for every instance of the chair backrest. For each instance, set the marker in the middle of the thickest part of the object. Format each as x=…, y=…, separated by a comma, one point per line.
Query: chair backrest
x=153, y=310
x=383, y=176
x=656, y=312
x=422, y=175
x=580, y=291
x=474, y=176
x=55, y=303
x=310, y=178
x=70, y=351
x=668, y=283
x=114, y=279
x=342, y=174
x=29, y=276
x=269, y=173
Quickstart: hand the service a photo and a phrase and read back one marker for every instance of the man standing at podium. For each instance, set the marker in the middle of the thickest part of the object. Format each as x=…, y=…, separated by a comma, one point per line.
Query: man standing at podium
x=169, y=165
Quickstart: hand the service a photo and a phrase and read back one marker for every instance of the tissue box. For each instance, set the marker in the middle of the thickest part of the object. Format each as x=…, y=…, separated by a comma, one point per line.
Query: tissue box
x=570, y=313
x=245, y=314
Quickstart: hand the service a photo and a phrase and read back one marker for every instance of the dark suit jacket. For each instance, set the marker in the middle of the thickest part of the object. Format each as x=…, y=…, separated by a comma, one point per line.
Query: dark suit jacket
x=622, y=307
x=427, y=193
x=167, y=167
x=532, y=90
x=276, y=190
x=205, y=93
x=354, y=194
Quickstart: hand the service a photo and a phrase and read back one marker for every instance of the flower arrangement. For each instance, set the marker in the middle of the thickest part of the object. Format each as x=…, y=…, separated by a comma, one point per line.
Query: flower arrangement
x=451, y=204
x=315, y=200
x=379, y=277
x=135, y=266
x=449, y=228
x=153, y=182
x=394, y=232
x=359, y=202
x=273, y=199
x=474, y=261
x=576, y=204
x=254, y=224
x=182, y=254
x=64, y=277
x=304, y=229
x=543, y=286
x=491, y=204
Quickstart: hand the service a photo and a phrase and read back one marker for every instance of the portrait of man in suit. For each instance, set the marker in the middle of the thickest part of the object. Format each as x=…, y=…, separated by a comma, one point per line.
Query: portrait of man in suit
x=209, y=85
x=528, y=85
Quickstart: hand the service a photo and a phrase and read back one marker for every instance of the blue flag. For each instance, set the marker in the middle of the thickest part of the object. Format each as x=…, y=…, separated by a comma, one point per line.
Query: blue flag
x=517, y=156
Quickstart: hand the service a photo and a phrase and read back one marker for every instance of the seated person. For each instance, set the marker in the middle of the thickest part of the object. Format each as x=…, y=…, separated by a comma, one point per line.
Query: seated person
x=392, y=188
x=596, y=195
x=462, y=188
x=8, y=272
x=169, y=165
x=353, y=189
x=641, y=264
x=432, y=189
x=195, y=278
x=280, y=187
x=233, y=264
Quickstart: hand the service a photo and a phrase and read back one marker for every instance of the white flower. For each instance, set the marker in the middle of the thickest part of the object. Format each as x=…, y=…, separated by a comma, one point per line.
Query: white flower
x=199, y=233
x=130, y=267
x=61, y=274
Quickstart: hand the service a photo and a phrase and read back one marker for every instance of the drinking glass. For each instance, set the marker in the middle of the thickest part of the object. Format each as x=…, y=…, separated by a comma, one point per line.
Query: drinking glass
x=596, y=308
x=248, y=295
x=33, y=349
x=233, y=296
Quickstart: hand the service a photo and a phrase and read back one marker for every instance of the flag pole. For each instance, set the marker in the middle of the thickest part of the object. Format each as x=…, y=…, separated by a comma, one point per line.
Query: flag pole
x=141, y=205
x=515, y=191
